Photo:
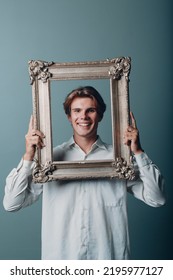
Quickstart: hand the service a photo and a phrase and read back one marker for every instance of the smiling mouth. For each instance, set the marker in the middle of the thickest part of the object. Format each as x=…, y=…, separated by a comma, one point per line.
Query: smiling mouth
x=84, y=124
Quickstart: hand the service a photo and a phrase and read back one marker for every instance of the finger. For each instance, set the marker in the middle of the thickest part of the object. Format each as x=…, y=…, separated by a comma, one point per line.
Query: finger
x=126, y=141
x=40, y=145
x=31, y=130
x=34, y=141
x=133, y=121
x=130, y=129
x=36, y=133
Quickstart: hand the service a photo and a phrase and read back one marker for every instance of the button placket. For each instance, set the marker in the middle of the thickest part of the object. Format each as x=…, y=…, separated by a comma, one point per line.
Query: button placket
x=84, y=216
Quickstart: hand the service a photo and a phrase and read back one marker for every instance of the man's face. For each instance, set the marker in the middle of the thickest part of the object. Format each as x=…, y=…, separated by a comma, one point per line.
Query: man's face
x=84, y=117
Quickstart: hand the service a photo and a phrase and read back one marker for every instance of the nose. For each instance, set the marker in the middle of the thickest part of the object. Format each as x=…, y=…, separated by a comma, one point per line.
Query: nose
x=84, y=114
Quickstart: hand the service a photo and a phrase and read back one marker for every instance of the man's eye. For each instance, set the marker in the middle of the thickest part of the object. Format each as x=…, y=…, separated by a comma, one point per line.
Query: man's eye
x=76, y=110
x=92, y=110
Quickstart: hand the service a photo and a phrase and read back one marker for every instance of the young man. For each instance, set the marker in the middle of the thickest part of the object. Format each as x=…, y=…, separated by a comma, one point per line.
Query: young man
x=84, y=219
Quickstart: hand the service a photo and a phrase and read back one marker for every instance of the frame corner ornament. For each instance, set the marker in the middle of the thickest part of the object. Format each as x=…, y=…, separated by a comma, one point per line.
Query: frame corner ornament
x=39, y=69
x=121, y=66
x=124, y=170
x=41, y=174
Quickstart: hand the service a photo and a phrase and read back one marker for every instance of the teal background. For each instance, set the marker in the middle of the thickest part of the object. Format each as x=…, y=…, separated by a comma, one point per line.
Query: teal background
x=81, y=30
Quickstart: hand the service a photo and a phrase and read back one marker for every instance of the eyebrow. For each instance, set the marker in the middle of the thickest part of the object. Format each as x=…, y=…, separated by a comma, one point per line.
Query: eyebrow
x=77, y=108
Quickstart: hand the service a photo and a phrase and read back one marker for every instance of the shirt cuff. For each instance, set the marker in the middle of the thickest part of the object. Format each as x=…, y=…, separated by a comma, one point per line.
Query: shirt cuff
x=142, y=160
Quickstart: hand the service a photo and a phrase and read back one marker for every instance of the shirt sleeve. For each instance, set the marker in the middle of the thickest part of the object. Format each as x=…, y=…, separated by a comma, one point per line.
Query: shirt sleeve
x=149, y=183
x=19, y=189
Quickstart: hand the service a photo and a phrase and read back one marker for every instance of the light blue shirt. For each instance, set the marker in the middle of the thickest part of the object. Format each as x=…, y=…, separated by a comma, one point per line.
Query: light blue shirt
x=84, y=219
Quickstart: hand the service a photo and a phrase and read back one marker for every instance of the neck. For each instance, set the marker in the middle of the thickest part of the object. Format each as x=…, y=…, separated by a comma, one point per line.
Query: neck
x=85, y=143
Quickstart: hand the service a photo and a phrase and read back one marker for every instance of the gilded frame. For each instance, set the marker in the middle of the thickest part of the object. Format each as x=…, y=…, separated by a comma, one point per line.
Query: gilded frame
x=117, y=70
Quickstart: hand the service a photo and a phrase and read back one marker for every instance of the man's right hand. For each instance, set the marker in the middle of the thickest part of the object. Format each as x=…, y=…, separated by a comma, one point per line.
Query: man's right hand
x=33, y=138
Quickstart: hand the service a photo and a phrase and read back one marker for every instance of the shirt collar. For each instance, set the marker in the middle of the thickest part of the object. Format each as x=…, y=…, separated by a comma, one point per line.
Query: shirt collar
x=99, y=143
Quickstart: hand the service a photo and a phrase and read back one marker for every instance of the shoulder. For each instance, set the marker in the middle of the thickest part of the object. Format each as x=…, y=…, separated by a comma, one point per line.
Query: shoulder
x=109, y=147
x=60, y=150
x=104, y=145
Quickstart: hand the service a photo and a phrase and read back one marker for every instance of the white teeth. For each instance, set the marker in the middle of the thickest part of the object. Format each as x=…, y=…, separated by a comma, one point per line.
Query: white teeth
x=84, y=124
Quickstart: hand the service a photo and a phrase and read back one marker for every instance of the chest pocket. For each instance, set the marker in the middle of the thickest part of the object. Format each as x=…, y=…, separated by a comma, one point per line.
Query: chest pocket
x=111, y=193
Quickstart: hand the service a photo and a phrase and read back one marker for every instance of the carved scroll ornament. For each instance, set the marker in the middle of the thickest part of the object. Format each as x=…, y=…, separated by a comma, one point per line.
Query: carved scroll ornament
x=121, y=67
x=41, y=174
x=39, y=69
x=123, y=170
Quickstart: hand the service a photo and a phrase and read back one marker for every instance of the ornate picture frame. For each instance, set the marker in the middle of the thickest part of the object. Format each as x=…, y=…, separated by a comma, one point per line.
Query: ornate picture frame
x=117, y=71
